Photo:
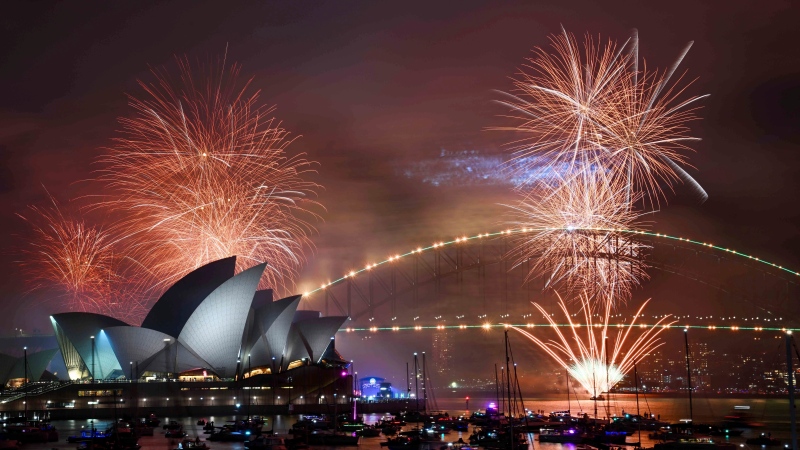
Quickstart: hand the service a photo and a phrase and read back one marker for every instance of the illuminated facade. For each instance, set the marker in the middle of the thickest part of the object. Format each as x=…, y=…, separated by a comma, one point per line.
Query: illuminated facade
x=211, y=322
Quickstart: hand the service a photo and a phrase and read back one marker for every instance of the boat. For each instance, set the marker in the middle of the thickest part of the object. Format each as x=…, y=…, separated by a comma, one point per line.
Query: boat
x=460, y=424
x=561, y=435
x=143, y=430
x=173, y=433
x=457, y=445
x=87, y=435
x=24, y=431
x=694, y=444
x=151, y=420
x=764, y=440
x=189, y=444
x=740, y=417
x=226, y=435
x=406, y=443
x=724, y=431
x=389, y=430
x=437, y=429
x=369, y=431
x=310, y=423
x=265, y=442
x=119, y=436
x=398, y=443
x=105, y=444
x=388, y=420
x=606, y=436
x=413, y=416
x=332, y=439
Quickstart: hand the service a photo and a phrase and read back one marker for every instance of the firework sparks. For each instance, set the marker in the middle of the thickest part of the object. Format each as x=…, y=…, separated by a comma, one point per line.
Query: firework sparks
x=75, y=263
x=202, y=172
x=596, y=107
x=574, y=246
x=595, y=356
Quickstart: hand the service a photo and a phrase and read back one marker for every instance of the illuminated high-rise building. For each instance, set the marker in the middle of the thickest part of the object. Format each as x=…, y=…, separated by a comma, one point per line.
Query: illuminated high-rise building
x=442, y=357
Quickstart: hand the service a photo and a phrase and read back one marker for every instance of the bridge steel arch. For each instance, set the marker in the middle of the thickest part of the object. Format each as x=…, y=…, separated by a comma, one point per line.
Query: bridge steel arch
x=402, y=288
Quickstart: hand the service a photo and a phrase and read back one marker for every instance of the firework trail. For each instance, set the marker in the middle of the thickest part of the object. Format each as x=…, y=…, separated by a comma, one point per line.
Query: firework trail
x=75, y=264
x=201, y=172
x=583, y=108
x=572, y=244
x=595, y=356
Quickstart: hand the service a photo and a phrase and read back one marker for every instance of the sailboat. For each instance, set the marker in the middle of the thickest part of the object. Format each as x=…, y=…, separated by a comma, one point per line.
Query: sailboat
x=688, y=440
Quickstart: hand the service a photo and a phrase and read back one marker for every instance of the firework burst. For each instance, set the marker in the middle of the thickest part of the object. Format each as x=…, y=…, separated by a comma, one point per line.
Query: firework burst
x=75, y=264
x=595, y=356
x=593, y=106
x=201, y=172
x=572, y=243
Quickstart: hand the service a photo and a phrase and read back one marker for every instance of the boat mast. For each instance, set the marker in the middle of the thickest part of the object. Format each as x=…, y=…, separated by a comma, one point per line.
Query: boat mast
x=518, y=390
x=608, y=383
x=416, y=382
x=638, y=416
x=496, y=386
x=25, y=380
x=791, y=381
x=354, y=389
x=502, y=406
x=594, y=388
x=508, y=384
x=408, y=382
x=569, y=407
x=424, y=384
x=688, y=372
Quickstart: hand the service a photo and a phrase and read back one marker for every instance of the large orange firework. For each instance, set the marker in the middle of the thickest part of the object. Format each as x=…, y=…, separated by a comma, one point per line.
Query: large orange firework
x=560, y=98
x=74, y=264
x=572, y=241
x=594, y=106
x=201, y=172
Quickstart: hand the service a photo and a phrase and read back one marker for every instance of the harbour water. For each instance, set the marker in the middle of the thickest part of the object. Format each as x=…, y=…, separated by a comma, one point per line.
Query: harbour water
x=772, y=414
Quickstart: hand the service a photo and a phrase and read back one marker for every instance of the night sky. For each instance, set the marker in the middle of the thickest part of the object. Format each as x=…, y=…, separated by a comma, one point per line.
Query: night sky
x=381, y=92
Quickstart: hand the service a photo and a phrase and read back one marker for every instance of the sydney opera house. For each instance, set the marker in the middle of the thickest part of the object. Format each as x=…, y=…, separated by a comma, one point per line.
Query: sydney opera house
x=209, y=338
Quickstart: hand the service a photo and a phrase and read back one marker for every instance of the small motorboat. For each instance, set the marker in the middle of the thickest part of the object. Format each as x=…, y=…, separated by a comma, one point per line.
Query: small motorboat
x=765, y=441
x=225, y=435
x=173, y=433
x=389, y=430
x=369, y=431
x=265, y=442
x=189, y=444
x=87, y=435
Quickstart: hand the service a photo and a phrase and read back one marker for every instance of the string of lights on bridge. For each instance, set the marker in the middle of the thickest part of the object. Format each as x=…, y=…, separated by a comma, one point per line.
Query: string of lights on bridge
x=462, y=239
x=490, y=326
x=459, y=240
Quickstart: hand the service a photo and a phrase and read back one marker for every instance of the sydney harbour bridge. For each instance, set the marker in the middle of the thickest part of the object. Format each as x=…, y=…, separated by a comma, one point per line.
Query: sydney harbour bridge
x=470, y=281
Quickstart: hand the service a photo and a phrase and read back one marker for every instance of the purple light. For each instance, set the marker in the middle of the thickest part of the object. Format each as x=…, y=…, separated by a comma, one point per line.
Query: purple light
x=571, y=431
x=492, y=405
x=344, y=373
